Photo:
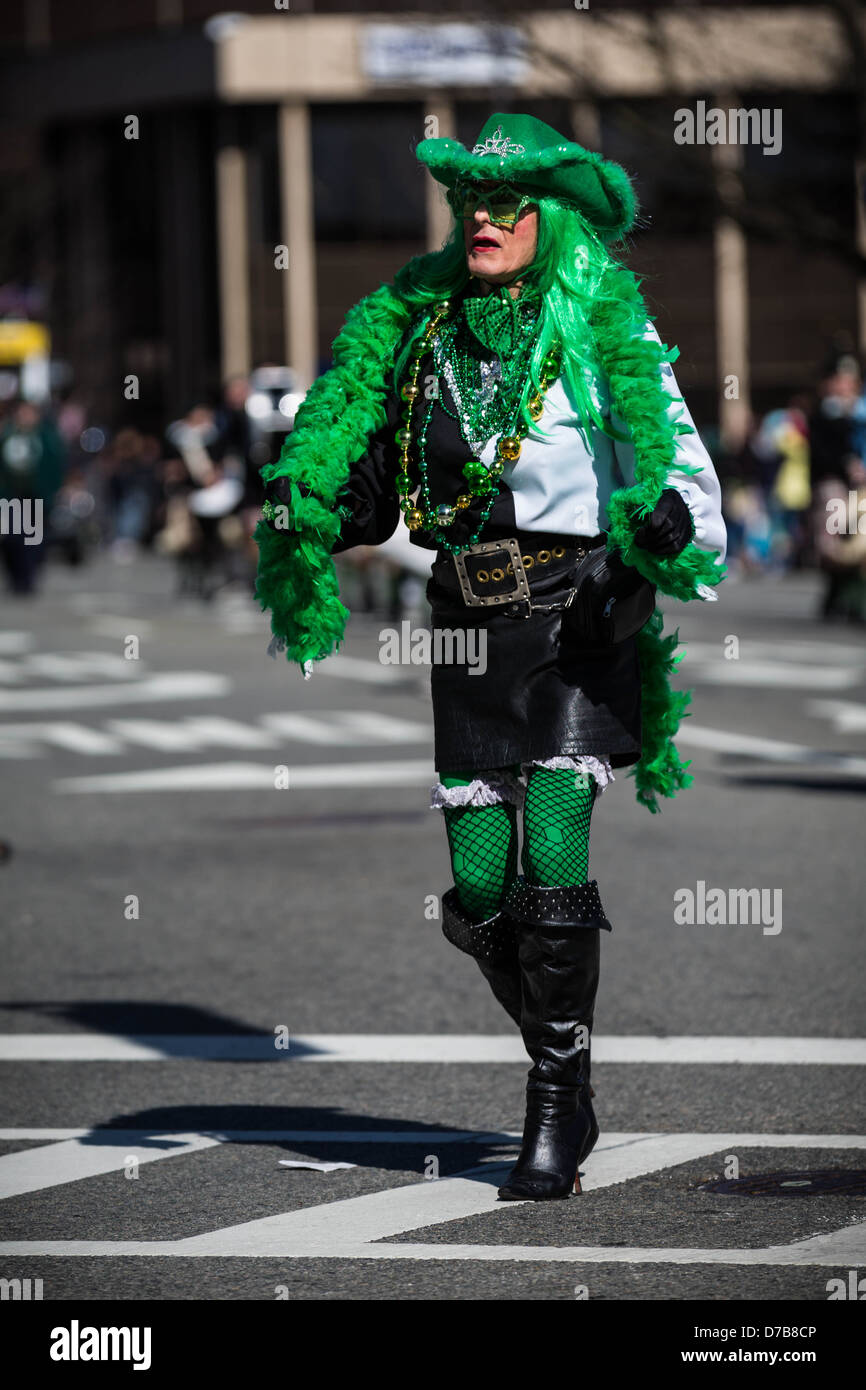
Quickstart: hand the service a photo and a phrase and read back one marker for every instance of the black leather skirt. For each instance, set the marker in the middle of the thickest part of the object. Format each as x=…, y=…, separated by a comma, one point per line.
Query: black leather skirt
x=509, y=685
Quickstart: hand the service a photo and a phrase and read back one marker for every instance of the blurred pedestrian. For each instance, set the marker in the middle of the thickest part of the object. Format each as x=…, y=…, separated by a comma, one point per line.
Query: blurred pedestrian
x=834, y=418
x=238, y=445
x=31, y=472
x=211, y=488
x=790, y=493
x=840, y=539
x=833, y=427
x=129, y=468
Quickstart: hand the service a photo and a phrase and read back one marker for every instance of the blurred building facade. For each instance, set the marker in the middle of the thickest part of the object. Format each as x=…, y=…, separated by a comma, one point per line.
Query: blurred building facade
x=190, y=193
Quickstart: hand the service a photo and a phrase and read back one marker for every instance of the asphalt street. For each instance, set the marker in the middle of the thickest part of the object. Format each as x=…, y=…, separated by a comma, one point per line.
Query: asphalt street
x=220, y=955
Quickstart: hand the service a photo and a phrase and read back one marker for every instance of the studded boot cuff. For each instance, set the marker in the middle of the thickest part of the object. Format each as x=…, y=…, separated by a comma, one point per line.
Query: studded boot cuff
x=488, y=940
x=576, y=906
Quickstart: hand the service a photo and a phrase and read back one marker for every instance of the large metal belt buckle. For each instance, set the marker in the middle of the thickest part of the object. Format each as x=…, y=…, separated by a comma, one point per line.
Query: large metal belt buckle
x=513, y=569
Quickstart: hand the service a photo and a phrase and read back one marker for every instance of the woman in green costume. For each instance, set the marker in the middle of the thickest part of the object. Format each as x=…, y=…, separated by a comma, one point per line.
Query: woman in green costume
x=509, y=399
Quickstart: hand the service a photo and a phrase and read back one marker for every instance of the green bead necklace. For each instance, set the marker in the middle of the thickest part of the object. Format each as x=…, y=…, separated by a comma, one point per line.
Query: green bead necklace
x=483, y=407
x=482, y=481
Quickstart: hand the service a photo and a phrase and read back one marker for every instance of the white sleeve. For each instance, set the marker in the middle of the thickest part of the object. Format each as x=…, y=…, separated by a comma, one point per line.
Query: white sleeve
x=700, y=491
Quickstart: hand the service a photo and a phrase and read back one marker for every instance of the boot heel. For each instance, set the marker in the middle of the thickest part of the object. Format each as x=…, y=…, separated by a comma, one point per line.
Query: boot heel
x=577, y=1187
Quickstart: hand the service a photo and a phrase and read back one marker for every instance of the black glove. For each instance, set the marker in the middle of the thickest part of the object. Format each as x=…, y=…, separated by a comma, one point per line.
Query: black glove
x=278, y=493
x=668, y=528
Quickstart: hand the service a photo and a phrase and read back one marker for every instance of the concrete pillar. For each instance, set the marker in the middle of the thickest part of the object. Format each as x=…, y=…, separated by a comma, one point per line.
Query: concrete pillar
x=185, y=223
x=860, y=203
x=93, y=327
x=233, y=251
x=440, y=122
x=300, y=317
x=731, y=291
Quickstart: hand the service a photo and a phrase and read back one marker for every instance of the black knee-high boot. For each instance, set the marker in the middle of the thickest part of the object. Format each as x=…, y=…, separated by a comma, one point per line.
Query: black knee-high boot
x=558, y=949
x=492, y=944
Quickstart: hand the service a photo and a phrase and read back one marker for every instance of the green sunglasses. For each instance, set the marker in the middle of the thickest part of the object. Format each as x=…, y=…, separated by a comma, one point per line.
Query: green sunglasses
x=504, y=204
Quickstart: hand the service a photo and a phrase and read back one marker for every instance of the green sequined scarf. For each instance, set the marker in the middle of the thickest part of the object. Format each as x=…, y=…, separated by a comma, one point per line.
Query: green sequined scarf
x=499, y=320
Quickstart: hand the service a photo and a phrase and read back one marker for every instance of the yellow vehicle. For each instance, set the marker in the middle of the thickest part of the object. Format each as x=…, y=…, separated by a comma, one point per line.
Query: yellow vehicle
x=25, y=351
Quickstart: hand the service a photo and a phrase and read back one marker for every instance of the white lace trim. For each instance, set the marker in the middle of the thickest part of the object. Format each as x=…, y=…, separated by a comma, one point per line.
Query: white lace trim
x=495, y=789
x=481, y=791
x=599, y=768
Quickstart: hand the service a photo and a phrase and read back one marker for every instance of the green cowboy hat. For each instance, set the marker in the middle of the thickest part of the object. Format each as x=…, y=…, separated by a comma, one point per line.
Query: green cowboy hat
x=526, y=152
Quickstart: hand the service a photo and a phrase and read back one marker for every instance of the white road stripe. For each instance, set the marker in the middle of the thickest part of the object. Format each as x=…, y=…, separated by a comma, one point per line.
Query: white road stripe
x=476, y=1048
x=234, y=776
x=96, y=1152
x=79, y=666
x=230, y=776
x=846, y=1247
x=771, y=675
x=768, y=749
x=192, y=734
x=348, y=727
x=811, y=653
x=354, y=1228
x=23, y=740
x=14, y=643
x=86, y=1153
x=174, y=685
x=846, y=716
x=284, y=1136
x=353, y=668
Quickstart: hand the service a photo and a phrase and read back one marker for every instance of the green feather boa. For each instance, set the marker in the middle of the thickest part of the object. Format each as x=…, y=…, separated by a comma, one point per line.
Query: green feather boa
x=297, y=579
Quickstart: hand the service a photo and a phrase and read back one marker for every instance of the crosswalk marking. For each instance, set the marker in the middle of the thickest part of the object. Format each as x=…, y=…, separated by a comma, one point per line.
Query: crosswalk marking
x=347, y=727
x=88, y=1156
x=456, y=1048
x=786, y=675
x=174, y=685
x=88, y=1153
x=257, y=777
x=30, y=740
x=192, y=734
x=71, y=667
x=846, y=716
x=785, y=665
x=359, y=1227
x=14, y=643
x=195, y=733
x=768, y=749
x=279, y=1136
x=355, y=668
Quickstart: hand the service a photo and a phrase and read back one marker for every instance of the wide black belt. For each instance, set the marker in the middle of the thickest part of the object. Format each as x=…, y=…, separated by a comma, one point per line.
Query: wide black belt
x=501, y=573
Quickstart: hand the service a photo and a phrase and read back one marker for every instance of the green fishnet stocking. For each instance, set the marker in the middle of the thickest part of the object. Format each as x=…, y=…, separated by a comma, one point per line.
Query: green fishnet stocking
x=556, y=818
x=483, y=845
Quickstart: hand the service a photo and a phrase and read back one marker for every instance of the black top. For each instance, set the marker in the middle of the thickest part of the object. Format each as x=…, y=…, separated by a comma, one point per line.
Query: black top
x=371, y=490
